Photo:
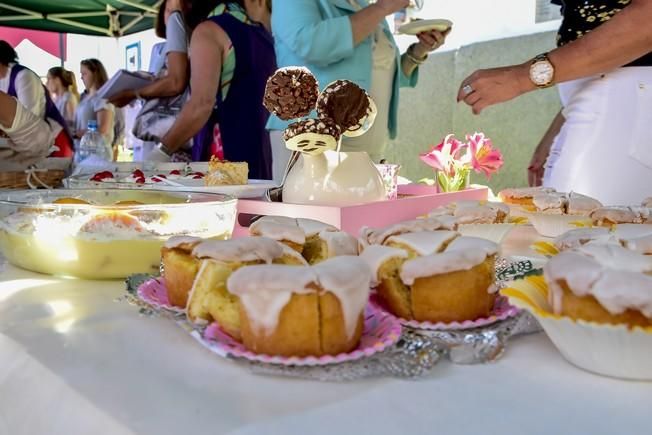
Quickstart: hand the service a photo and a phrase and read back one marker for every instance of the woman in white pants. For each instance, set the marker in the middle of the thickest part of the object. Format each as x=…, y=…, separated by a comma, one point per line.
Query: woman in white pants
x=604, y=148
x=598, y=144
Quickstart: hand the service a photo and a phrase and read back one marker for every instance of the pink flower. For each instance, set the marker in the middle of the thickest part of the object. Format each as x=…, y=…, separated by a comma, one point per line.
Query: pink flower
x=484, y=157
x=444, y=156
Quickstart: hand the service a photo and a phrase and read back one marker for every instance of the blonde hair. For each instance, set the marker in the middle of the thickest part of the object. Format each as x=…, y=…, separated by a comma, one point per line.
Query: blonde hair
x=68, y=79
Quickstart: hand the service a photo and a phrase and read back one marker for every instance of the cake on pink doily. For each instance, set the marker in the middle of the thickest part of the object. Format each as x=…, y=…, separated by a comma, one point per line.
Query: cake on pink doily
x=380, y=332
x=436, y=277
x=300, y=311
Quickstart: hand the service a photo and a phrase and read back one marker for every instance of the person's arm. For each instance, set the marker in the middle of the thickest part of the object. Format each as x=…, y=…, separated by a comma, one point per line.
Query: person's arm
x=366, y=21
x=299, y=25
x=624, y=38
x=71, y=106
x=173, y=83
x=537, y=164
x=207, y=45
x=7, y=111
x=176, y=79
x=417, y=53
x=30, y=92
x=104, y=121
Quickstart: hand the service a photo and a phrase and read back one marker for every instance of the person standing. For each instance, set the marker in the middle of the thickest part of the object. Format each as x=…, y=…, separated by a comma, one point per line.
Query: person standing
x=91, y=107
x=62, y=85
x=599, y=144
x=349, y=39
x=31, y=128
x=232, y=56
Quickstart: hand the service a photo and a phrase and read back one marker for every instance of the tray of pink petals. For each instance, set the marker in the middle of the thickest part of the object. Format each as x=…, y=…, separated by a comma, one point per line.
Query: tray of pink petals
x=380, y=332
x=502, y=310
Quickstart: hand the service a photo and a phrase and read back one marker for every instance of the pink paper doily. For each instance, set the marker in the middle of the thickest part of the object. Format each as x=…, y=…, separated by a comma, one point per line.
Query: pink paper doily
x=153, y=292
x=380, y=331
x=502, y=310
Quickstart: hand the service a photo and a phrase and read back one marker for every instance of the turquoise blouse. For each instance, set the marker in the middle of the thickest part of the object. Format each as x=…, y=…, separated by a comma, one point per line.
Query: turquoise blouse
x=317, y=34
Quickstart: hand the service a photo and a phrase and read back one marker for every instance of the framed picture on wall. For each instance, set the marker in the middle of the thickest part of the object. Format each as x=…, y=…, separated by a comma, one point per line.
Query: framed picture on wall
x=132, y=57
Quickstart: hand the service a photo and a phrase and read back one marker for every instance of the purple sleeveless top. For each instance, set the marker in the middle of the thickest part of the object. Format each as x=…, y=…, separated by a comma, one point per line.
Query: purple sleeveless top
x=241, y=116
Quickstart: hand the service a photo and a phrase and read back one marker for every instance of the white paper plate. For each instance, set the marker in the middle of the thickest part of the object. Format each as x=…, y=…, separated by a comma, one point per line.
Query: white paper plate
x=418, y=26
x=609, y=350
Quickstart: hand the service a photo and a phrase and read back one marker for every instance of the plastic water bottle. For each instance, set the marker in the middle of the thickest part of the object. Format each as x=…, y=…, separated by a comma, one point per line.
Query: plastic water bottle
x=92, y=146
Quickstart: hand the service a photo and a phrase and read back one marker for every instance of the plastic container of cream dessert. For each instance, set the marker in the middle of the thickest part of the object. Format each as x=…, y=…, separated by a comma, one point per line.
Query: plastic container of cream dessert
x=104, y=234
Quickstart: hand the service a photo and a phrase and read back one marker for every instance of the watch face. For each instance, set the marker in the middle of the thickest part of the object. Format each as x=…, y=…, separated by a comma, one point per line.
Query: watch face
x=541, y=73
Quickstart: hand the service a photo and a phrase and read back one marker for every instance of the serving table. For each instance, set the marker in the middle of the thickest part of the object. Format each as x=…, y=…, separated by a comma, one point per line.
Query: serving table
x=75, y=361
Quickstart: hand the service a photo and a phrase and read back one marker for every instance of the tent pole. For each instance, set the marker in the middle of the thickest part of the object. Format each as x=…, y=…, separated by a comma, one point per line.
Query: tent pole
x=61, y=54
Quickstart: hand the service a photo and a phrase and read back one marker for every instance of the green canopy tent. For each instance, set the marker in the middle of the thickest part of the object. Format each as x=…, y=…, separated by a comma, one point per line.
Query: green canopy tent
x=91, y=17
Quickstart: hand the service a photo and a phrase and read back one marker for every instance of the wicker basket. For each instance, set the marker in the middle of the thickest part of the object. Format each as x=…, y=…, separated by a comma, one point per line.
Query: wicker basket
x=32, y=179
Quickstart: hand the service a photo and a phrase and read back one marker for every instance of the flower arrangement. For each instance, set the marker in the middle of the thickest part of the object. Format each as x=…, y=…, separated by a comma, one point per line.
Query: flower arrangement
x=453, y=160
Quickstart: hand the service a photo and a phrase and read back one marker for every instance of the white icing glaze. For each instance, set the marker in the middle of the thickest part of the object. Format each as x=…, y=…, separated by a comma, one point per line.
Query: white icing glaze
x=476, y=214
x=550, y=202
x=474, y=244
x=579, y=204
x=281, y=220
x=378, y=236
x=448, y=222
x=641, y=245
x=286, y=228
x=463, y=253
x=242, y=249
x=524, y=192
x=618, y=214
x=436, y=264
x=442, y=211
x=616, y=257
x=349, y=279
x=467, y=211
x=265, y=290
x=184, y=242
x=376, y=255
x=579, y=272
x=471, y=211
x=580, y=236
x=339, y=243
x=424, y=242
x=631, y=231
x=311, y=227
x=647, y=202
x=615, y=288
x=278, y=231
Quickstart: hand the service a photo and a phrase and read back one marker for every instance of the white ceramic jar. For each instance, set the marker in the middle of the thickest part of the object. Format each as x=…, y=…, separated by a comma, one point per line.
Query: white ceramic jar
x=334, y=178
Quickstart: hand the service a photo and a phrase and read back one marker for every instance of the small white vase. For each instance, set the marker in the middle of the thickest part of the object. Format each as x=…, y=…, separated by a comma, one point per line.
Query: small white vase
x=333, y=178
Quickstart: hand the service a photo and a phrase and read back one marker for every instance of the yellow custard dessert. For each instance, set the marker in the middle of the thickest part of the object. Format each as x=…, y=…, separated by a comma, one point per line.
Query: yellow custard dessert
x=108, y=238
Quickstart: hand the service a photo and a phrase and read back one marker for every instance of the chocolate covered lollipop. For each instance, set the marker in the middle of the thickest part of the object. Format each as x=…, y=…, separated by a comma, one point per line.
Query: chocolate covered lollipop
x=349, y=106
x=291, y=93
x=312, y=136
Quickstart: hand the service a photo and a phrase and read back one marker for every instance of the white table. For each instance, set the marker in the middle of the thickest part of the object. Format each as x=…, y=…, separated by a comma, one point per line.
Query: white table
x=74, y=361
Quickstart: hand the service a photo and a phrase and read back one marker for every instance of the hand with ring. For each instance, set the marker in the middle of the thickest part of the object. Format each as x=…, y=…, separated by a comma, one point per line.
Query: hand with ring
x=487, y=87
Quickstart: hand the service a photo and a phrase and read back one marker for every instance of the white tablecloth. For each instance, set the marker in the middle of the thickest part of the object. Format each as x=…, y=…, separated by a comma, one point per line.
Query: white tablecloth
x=74, y=361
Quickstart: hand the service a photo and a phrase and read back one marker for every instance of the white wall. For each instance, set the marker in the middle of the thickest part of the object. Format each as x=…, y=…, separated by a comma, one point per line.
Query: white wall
x=482, y=20
x=110, y=51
